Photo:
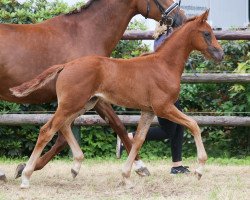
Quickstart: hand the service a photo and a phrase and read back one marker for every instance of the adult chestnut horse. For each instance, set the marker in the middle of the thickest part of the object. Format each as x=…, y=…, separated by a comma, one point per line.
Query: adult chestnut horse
x=95, y=29
x=150, y=83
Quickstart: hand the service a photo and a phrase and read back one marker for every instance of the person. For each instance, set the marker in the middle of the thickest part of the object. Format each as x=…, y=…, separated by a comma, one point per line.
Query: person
x=167, y=129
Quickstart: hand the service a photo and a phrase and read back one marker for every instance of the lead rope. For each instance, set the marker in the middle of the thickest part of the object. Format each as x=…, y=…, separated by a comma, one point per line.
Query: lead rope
x=148, y=9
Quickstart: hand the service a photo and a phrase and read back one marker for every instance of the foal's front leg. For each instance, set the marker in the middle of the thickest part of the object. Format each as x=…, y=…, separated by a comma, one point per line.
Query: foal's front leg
x=173, y=114
x=107, y=113
x=141, y=132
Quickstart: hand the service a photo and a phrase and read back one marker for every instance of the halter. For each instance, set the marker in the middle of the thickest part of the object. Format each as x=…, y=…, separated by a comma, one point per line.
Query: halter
x=165, y=18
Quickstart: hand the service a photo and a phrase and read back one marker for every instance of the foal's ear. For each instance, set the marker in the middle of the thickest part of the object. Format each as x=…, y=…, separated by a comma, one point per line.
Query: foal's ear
x=202, y=18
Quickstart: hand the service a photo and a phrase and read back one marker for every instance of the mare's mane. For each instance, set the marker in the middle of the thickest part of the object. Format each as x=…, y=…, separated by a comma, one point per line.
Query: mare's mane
x=82, y=8
x=176, y=29
x=174, y=32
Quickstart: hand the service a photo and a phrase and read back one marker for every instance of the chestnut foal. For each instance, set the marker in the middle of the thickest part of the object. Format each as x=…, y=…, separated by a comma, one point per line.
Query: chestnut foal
x=150, y=83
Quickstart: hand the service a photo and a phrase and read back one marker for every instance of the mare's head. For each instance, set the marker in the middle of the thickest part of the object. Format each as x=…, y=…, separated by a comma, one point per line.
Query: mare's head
x=203, y=38
x=156, y=9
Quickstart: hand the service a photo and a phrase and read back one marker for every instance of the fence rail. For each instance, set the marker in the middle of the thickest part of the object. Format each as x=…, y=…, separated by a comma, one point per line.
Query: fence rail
x=215, y=78
x=220, y=35
x=38, y=119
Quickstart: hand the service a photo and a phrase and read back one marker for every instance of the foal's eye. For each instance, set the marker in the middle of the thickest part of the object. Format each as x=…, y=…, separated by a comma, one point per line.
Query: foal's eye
x=207, y=34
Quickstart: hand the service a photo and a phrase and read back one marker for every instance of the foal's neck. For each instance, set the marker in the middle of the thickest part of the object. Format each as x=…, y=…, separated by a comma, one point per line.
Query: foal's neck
x=105, y=21
x=175, y=51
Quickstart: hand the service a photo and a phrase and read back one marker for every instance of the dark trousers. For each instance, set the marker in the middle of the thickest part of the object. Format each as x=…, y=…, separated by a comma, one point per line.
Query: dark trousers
x=169, y=130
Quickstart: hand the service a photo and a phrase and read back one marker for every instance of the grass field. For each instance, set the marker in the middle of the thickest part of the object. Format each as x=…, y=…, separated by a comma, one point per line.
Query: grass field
x=223, y=179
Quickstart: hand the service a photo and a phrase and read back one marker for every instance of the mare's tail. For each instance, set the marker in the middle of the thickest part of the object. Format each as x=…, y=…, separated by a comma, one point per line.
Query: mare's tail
x=42, y=79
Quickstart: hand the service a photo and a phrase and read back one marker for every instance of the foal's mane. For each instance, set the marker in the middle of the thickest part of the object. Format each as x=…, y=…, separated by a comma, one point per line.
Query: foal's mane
x=84, y=7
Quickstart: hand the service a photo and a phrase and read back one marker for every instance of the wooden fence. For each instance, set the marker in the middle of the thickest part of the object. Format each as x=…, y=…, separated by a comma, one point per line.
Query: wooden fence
x=220, y=35
x=38, y=119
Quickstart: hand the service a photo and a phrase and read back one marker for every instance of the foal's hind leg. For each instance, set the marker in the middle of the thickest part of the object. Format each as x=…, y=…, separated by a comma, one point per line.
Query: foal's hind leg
x=173, y=114
x=141, y=133
x=75, y=148
x=69, y=136
x=60, y=144
x=45, y=135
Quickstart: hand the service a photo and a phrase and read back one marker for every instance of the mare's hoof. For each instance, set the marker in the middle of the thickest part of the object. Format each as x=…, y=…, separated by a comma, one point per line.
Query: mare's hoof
x=74, y=173
x=198, y=175
x=19, y=170
x=3, y=177
x=143, y=171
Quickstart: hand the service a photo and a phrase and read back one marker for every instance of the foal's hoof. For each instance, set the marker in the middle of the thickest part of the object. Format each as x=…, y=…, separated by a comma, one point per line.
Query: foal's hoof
x=74, y=173
x=19, y=170
x=3, y=177
x=127, y=183
x=24, y=186
x=143, y=171
x=198, y=174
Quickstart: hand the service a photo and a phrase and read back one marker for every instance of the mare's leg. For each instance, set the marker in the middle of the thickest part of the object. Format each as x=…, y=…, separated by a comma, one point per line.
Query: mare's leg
x=173, y=114
x=141, y=132
x=106, y=111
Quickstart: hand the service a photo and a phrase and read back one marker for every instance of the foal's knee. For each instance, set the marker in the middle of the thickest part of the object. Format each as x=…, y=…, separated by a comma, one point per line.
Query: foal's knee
x=79, y=157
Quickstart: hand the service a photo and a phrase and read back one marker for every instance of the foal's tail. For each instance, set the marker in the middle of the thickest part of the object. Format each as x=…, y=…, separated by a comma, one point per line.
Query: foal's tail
x=42, y=79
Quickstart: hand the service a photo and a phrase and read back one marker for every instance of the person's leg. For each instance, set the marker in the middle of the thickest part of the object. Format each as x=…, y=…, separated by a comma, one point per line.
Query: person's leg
x=176, y=146
x=175, y=133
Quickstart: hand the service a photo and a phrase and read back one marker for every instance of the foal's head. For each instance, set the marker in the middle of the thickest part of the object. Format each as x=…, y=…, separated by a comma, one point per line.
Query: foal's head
x=203, y=38
x=155, y=9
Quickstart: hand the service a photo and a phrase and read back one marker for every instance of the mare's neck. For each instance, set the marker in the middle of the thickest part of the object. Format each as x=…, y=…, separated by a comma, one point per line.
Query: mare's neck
x=176, y=50
x=103, y=22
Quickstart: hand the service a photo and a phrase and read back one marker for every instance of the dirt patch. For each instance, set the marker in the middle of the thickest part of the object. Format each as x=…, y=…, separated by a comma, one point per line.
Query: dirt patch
x=101, y=180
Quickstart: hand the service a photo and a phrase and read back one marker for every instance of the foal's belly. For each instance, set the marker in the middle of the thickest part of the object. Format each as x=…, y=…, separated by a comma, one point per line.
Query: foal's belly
x=127, y=101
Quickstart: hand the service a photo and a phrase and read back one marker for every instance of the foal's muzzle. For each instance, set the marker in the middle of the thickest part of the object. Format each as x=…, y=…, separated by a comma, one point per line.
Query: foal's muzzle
x=216, y=53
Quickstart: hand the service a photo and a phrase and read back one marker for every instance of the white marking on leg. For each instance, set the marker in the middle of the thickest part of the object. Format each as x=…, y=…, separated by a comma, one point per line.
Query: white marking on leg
x=142, y=129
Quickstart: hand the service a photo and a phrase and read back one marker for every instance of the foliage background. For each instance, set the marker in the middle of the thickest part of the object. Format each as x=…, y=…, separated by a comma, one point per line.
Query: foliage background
x=100, y=141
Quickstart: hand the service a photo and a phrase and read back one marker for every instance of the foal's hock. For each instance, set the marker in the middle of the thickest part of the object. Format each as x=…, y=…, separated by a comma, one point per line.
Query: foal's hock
x=150, y=83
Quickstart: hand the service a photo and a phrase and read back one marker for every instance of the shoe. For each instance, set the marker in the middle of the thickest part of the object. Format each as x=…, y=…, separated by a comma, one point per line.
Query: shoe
x=119, y=148
x=180, y=170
